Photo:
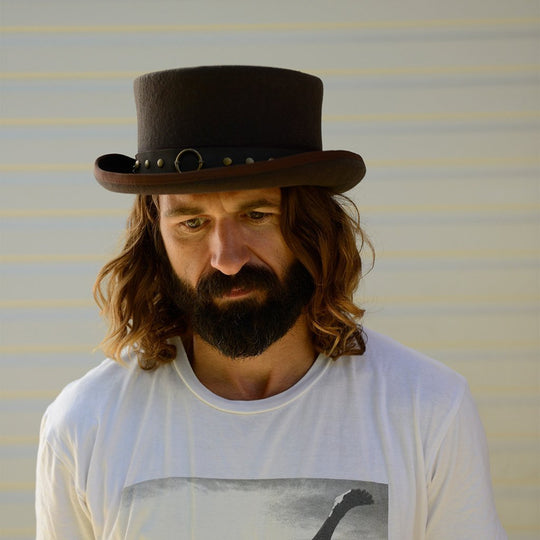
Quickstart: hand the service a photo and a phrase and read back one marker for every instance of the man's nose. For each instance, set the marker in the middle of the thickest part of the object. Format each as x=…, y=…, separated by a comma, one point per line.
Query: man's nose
x=229, y=249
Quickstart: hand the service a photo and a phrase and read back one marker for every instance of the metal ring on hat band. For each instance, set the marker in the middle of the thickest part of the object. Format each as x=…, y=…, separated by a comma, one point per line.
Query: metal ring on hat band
x=184, y=151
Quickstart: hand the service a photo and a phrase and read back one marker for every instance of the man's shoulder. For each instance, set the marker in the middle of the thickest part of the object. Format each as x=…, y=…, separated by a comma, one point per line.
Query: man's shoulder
x=408, y=385
x=101, y=400
x=402, y=368
x=82, y=405
x=390, y=353
x=83, y=398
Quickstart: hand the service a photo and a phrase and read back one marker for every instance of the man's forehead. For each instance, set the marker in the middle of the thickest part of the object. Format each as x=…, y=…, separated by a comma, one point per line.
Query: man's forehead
x=192, y=203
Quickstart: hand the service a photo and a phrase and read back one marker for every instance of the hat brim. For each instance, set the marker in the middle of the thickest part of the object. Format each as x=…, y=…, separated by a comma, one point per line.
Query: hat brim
x=337, y=170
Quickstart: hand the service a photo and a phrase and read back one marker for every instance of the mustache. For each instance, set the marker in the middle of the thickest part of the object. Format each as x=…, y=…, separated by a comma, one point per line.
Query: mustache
x=218, y=284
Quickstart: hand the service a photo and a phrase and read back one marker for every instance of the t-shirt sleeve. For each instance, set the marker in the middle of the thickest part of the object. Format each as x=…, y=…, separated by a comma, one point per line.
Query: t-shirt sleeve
x=61, y=512
x=460, y=495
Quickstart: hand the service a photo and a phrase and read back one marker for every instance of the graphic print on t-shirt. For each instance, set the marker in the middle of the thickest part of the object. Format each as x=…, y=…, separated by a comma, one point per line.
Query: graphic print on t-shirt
x=288, y=509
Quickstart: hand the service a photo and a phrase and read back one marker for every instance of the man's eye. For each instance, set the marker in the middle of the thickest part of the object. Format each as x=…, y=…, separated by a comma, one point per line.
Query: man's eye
x=256, y=216
x=193, y=223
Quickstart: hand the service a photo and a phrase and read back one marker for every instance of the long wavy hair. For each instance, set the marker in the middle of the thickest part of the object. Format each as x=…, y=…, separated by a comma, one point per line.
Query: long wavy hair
x=321, y=229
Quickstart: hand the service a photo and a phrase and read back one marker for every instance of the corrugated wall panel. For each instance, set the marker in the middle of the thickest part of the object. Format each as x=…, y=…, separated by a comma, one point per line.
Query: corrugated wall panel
x=440, y=98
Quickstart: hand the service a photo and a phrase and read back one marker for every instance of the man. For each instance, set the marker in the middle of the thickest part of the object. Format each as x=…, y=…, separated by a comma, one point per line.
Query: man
x=242, y=398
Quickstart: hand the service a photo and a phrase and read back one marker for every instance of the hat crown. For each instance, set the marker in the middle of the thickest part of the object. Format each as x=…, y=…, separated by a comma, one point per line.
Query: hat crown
x=213, y=106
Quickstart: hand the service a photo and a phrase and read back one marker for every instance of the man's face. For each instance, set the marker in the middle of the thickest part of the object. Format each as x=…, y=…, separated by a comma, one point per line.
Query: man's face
x=235, y=275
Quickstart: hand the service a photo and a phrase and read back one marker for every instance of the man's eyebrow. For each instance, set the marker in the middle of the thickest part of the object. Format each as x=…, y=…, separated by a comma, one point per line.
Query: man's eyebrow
x=258, y=203
x=181, y=210
x=185, y=210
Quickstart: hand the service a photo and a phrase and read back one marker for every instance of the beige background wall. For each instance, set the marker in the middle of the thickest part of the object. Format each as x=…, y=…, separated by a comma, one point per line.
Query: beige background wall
x=440, y=97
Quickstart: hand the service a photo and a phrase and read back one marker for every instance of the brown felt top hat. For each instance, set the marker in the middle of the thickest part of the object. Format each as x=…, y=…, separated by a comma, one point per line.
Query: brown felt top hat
x=224, y=128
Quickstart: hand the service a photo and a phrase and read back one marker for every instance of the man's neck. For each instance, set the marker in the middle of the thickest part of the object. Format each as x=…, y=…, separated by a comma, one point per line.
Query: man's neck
x=281, y=366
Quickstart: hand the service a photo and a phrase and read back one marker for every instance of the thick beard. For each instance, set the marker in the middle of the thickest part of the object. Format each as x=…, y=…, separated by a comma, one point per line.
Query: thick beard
x=244, y=328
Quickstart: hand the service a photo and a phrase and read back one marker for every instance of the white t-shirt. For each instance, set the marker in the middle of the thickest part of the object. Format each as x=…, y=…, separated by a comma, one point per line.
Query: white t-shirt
x=384, y=445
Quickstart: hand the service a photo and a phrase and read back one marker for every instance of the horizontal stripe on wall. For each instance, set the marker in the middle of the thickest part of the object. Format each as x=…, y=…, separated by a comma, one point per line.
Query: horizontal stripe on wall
x=419, y=25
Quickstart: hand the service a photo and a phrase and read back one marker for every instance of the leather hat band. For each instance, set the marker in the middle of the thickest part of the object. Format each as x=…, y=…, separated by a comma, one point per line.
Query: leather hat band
x=193, y=159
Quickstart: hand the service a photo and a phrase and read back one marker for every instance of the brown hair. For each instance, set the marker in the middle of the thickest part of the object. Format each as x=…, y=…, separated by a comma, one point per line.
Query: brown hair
x=131, y=288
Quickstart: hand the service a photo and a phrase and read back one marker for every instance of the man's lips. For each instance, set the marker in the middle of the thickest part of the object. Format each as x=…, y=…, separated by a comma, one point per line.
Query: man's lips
x=238, y=291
